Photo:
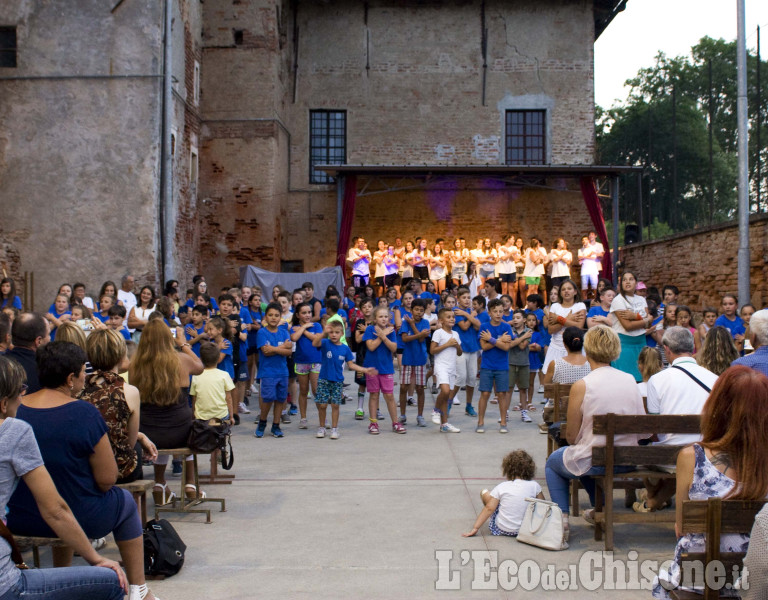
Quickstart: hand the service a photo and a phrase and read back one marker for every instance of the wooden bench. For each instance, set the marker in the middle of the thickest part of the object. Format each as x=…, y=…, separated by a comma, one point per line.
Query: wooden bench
x=138, y=490
x=558, y=394
x=182, y=504
x=25, y=542
x=611, y=455
x=715, y=517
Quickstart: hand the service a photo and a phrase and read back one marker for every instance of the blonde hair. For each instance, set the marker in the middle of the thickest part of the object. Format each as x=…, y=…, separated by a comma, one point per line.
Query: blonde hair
x=105, y=348
x=602, y=344
x=155, y=366
x=649, y=362
x=70, y=332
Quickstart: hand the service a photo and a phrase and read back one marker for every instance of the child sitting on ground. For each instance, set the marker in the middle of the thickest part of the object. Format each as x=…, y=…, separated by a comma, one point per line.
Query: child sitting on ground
x=505, y=504
x=211, y=391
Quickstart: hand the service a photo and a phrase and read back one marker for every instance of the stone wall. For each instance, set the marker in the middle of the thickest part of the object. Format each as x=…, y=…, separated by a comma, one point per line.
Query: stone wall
x=703, y=263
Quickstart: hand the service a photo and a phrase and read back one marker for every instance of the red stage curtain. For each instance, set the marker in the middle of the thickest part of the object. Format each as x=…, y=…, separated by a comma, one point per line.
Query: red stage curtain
x=598, y=221
x=347, y=218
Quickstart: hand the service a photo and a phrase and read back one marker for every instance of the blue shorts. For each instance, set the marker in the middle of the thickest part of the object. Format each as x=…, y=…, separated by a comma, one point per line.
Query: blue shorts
x=489, y=377
x=274, y=389
x=241, y=372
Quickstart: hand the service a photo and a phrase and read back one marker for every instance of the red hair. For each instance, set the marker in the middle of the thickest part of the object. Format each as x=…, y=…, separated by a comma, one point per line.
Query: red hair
x=735, y=421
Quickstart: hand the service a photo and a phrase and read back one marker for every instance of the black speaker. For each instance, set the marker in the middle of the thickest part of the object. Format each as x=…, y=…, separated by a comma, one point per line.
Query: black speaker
x=631, y=234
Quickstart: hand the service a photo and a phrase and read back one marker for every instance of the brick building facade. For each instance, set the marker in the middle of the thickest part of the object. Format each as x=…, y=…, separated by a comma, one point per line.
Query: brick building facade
x=418, y=82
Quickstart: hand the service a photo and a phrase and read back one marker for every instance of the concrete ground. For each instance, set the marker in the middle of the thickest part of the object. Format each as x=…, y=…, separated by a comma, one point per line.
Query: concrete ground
x=365, y=516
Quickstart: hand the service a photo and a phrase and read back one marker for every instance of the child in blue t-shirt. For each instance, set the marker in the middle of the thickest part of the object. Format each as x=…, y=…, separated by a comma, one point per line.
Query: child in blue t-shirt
x=380, y=343
x=537, y=348
x=116, y=320
x=58, y=313
x=330, y=387
x=731, y=320
x=219, y=332
x=106, y=301
x=495, y=341
x=414, y=332
x=195, y=331
x=275, y=346
x=306, y=358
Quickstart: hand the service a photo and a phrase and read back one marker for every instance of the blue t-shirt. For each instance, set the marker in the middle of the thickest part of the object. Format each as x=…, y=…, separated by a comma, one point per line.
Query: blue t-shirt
x=415, y=351
x=468, y=338
x=125, y=333
x=394, y=304
x=334, y=356
x=305, y=352
x=534, y=358
x=341, y=312
x=227, y=365
x=597, y=311
x=275, y=365
x=256, y=317
x=100, y=317
x=381, y=358
x=196, y=345
x=245, y=317
x=58, y=316
x=736, y=327
x=649, y=341
x=214, y=306
x=495, y=359
x=538, y=312
x=508, y=318
x=16, y=302
x=483, y=317
x=403, y=313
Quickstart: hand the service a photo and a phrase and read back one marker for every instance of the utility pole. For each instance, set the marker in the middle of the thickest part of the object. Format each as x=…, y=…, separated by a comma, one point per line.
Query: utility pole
x=743, y=153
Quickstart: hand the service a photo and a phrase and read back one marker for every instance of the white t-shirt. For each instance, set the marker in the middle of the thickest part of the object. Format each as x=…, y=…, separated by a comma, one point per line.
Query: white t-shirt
x=635, y=304
x=532, y=269
x=361, y=261
x=589, y=264
x=129, y=301
x=445, y=360
x=381, y=269
x=560, y=268
x=512, y=505
x=671, y=392
x=507, y=256
x=559, y=310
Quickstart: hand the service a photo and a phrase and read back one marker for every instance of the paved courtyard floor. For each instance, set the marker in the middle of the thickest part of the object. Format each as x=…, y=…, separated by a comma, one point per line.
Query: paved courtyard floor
x=366, y=516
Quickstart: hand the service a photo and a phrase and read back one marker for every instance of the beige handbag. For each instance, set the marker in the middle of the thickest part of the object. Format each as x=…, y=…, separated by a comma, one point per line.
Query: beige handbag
x=542, y=525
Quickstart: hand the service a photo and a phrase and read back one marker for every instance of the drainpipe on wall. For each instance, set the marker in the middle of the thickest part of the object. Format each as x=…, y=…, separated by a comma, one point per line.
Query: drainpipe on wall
x=165, y=216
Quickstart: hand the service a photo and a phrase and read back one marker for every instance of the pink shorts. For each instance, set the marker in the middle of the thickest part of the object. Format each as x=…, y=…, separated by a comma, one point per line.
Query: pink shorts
x=380, y=383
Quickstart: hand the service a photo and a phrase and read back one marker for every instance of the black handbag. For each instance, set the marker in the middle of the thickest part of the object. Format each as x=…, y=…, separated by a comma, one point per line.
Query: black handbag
x=163, y=550
x=208, y=436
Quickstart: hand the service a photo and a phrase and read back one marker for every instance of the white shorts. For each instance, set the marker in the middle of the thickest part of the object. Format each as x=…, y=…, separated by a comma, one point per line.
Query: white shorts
x=444, y=376
x=466, y=369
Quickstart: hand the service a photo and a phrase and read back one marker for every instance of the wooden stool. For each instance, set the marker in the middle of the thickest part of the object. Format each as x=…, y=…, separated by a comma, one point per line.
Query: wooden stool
x=138, y=490
x=27, y=542
x=214, y=477
x=182, y=504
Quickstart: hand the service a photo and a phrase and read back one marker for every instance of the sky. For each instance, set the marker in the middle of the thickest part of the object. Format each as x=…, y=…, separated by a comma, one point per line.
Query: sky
x=636, y=35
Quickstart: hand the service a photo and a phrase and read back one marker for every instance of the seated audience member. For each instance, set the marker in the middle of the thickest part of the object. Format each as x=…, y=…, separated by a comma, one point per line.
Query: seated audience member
x=681, y=389
x=117, y=320
x=758, y=338
x=754, y=562
x=593, y=395
x=728, y=463
x=28, y=332
x=75, y=447
x=648, y=363
x=117, y=402
x=505, y=504
x=5, y=333
x=731, y=320
x=718, y=351
x=20, y=460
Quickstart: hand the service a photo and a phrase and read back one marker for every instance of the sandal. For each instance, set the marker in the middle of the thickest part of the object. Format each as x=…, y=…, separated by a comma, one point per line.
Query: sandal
x=162, y=495
x=516, y=407
x=531, y=408
x=194, y=495
x=139, y=592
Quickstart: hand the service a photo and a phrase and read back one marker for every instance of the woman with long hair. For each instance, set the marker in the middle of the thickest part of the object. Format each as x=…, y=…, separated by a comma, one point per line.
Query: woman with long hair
x=8, y=295
x=438, y=268
x=459, y=258
x=535, y=257
x=161, y=374
x=569, y=312
x=630, y=320
x=139, y=314
x=728, y=463
x=718, y=351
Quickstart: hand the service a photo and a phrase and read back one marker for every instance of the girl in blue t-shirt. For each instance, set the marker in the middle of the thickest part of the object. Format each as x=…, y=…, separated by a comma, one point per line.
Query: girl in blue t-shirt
x=255, y=311
x=306, y=357
x=58, y=313
x=379, y=339
x=8, y=295
x=731, y=320
x=218, y=331
x=537, y=348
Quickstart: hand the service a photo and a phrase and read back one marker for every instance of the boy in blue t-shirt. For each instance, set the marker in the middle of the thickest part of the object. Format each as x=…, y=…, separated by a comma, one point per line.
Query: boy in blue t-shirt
x=195, y=331
x=330, y=385
x=495, y=341
x=275, y=346
x=116, y=319
x=731, y=320
x=467, y=326
x=414, y=331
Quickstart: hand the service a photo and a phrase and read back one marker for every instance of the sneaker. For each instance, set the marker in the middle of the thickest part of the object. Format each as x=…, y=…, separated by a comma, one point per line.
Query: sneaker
x=276, y=431
x=470, y=411
x=243, y=409
x=434, y=388
x=543, y=428
x=541, y=389
x=503, y=429
x=494, y=400
x=524, y=416
x=254, y=390
x=448, y=428
x=403, y=419
x=320, y=432
x=99, y=543
x=379, y=415
x=456, y=401
x=480, y=429
x=507, y=415
x=294, y=410
x=411, y=402
x=436, y=417
x=398, y=428
x=359, y=415
x=516, y=390
x=373, y=428
x=334, y=434
x=284, y=418
x=420, y=421
x=303, y=424
x=176, y=468
x=260, y=429
x=327, y=425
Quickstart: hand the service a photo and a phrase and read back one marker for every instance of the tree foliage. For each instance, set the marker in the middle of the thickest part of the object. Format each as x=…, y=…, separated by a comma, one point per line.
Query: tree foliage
x=664, y=127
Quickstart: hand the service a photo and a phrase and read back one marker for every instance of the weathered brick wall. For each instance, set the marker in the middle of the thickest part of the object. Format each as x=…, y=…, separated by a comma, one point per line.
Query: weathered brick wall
x=703, y=264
